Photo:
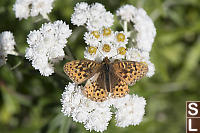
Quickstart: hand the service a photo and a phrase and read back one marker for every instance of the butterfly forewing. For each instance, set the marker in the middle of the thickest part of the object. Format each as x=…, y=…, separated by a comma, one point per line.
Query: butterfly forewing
x=130, y=71
x=81, y=70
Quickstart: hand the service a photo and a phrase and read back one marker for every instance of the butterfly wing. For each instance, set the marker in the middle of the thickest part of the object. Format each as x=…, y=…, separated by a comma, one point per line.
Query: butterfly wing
x=95, y=88
x=81, y=70
x=119, y=87
x=130, y=71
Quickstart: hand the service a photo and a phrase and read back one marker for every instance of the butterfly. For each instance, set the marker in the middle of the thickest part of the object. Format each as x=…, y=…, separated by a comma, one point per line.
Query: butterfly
x=106, y=78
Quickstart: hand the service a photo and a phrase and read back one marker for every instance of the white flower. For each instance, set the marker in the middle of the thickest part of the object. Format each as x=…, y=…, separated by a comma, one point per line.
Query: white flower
x=90, y=39
x=95, y=16
x=134, y=54
x=94, y=115
x=98, y=17
x=107, y=38
x=103, y=50
x=107, y=50
x=130, y=110
x=120, y=38
x=126, y=12
x=103, y=42
x=143, y=24
x=7, y=44
x=22, y=9
x=26, y=8
x=107, y=44
x=98, y=119
x=146, y=30
x=42, y=7
x=92, y=56
x=80, y=15
x=46, y=46
x=151, y=69
x=108, y=19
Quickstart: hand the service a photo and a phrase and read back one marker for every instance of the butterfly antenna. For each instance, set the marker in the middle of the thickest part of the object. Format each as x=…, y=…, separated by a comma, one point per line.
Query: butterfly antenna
x=116, y=55
x=100, y=52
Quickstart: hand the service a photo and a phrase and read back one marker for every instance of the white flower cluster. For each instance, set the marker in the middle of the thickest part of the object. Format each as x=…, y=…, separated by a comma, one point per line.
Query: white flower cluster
x=46, y=46
x=7, y=44
x=103, y=42
x=96, y=115
x=126, y=12
x=142, y=23
x=26, y=8
x=130, y=110
x=145, y=35
x=95, y=16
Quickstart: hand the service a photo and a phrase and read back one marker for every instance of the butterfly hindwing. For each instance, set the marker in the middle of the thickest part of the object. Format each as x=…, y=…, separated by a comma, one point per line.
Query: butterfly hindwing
x=81, y=70
x=95, y=88
x=130, y=71
x=119, y=88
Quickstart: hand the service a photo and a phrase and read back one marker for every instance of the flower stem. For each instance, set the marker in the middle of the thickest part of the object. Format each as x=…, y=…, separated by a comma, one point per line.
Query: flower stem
x=125, y=27
x=69, y=53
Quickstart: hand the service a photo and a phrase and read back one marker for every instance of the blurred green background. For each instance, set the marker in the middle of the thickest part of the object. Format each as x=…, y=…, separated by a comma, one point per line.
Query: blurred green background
x=30, y=103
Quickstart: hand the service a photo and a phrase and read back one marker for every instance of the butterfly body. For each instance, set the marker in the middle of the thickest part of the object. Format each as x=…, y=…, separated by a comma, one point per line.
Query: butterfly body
x=106, y=78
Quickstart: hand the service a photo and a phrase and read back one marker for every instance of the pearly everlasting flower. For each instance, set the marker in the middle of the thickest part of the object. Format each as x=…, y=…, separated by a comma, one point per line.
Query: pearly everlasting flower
x=90, y=39
x=120, y=38
x=146, y=30
x=134, y=54
x=46, y=46
x=80, y=16
x=103, y=42
x=151, y=68
x=94, y=16
x=130, y=110
x=42, y=7
x=96, y=115
x=142, y=23
x=22, y=9
x=98, y=17
x=106, y=44
x=126, y=12
x=7, y=44
x=26, y=8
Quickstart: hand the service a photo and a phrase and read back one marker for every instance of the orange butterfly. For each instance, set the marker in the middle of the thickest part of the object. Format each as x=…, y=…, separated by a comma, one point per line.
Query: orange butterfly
x=105, y=78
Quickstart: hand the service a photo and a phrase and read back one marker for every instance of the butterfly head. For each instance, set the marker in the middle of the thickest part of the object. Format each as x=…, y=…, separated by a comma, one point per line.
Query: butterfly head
x=106, y=60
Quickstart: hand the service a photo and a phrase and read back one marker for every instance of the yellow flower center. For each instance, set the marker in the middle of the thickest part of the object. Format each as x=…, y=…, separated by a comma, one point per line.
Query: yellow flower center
x=120, y=37
x=122, y=50
x=96, y=34
x=92, y=50
x=106, y=48
x=106, y=31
